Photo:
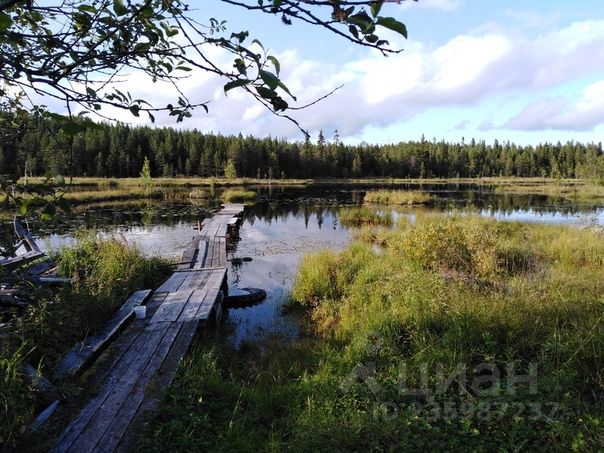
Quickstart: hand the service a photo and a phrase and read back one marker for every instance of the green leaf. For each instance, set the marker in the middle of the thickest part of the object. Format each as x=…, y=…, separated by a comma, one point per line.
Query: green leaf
x=119, y=7
x=87, y=9
x=376, y=7
x=361, y=19
x=147, y=12
x=235, y=84
x=5, y=21
x=134, y=109
x=353, y=31
x=240, y=65
x=284, y=88
x=275, y=63
x=255, y=41
x=392, y=24
x=266, y=93
x=270, y=79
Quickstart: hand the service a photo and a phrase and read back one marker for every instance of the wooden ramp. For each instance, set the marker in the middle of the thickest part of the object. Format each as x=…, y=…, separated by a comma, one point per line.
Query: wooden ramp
x=146, y=355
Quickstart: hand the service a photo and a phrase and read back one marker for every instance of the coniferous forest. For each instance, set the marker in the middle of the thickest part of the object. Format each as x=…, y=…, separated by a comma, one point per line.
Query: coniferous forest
x=104, y=150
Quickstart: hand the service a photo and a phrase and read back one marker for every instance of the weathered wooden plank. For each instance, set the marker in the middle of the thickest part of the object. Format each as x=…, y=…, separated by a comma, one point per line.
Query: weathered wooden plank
x=134, y=399
x=213, y=286
x=170, y=309
x=195, y=280
x=190, y=310
x=105, y=413
x=21, y=260
x=201, y=254
x=223, y=252
x=77, y=425
x=163, y=379
x=39, y=268
x=173, y=283
x=216, y=252
x=222, y=230
x=28, y=240
x=188, y=256
x=209, y=262
x=84, y=353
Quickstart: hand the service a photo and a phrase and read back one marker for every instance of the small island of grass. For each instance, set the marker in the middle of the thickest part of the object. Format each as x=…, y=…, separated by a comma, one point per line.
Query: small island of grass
x=398, y=197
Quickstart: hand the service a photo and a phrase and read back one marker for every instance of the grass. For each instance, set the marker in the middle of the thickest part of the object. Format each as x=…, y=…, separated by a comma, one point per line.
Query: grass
x=198, y=194
x=236, y=195
x=398, y=197
x=209, y=181
x=117, y=194
x=570, y=190
x=105, y=273
x=364, y=216
x=435, y=295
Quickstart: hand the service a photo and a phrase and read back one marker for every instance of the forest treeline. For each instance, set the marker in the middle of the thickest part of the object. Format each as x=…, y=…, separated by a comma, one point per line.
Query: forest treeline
x=104, y=150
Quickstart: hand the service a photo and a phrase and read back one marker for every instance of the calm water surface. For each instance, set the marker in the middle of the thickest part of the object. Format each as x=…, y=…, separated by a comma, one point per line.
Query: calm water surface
x=277, y=231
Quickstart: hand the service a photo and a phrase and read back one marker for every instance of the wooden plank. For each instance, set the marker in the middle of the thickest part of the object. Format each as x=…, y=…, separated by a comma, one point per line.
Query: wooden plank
x=173, y=283
x=77, y=425
x=188, y=255
x=170, y=309
x=101, y=419
x=223, y=252
x=201, y=254
x=195, y=280
x=163, y=379
x=28, y=240
x=195, y=301
x=40, y=268
x=209, y=262
x=84, y=353
x=21, y=260
x=216, y=253
x=131, y=403
x=222, y=231
x=213, y=285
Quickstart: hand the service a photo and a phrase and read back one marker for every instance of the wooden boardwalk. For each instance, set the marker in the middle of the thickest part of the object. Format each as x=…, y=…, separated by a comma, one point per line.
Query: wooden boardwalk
x=146, y=355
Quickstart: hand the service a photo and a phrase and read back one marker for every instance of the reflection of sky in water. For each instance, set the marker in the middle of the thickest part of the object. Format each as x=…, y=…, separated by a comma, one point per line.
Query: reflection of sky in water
x=276, y=249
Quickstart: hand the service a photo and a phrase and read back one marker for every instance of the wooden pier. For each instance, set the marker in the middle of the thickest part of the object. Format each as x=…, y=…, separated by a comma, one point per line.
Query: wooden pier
x=146, y=354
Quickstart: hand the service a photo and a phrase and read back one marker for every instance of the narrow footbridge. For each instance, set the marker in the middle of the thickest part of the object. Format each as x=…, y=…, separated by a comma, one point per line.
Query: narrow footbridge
x=145, y=355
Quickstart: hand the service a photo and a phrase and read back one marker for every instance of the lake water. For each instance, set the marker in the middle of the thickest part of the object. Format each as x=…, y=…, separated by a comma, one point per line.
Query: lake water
x=280, y=228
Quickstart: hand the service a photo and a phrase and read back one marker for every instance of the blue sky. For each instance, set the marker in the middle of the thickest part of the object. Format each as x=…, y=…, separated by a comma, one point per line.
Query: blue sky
x=522, y=71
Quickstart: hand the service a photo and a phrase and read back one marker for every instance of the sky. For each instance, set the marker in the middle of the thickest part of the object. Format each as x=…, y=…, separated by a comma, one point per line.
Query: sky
x=527, y=72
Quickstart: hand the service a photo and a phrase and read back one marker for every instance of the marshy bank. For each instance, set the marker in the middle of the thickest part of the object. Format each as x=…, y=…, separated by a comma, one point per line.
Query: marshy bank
x=272, y=381
x=430, y=305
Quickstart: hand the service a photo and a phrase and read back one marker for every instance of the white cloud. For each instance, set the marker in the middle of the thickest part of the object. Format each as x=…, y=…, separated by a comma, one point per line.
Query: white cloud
x=465, y=71
x=445, y=5
x=584, y=114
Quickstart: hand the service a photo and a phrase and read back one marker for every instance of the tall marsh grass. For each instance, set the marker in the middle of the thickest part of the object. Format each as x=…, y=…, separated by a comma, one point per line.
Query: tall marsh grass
x=398, y=197
x=238, y=196
x=364, y=216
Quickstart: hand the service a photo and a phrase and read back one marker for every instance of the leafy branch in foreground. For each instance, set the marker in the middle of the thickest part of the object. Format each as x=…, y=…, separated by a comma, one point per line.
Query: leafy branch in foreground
x=78, y=51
